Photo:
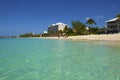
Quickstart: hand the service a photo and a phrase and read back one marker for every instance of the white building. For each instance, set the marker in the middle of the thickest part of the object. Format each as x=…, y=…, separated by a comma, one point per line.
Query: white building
x=113, y=25
x=54, y=28
x=45, y=32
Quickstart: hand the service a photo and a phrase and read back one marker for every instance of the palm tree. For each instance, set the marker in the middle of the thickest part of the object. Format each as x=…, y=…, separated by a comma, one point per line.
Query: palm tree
x=66, y=29
x=118, y=16
x=90, y=22
x=78, y=27
x=60, y=32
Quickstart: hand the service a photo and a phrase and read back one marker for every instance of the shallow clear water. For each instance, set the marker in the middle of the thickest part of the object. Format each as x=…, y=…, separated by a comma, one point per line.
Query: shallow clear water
x=44, y=59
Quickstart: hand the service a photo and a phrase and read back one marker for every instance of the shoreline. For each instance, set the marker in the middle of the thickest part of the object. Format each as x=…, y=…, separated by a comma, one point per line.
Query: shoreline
x=104, y=37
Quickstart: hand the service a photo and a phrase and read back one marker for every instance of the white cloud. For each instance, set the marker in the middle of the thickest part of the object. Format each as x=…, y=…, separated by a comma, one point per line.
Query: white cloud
x=99, y=17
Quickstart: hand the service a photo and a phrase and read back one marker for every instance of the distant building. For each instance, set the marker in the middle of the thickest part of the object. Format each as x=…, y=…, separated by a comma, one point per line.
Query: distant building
x=54, y=28
x=45, y=32
x=113, y=26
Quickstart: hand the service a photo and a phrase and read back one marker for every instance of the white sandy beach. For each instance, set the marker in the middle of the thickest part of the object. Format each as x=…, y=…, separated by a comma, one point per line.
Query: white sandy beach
x=104, y=37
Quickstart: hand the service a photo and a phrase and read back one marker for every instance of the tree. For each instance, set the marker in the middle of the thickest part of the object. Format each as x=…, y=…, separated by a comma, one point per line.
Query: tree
x=66, y=29
x=94, y=30
x=118, y=16
x=90, y=22
x=27, y=35
x=78, y=27
x=70, y=31
x=60, y=32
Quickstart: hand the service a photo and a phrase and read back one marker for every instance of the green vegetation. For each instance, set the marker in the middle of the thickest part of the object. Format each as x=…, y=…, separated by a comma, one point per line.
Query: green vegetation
x=118, y=16
x=78, y=27
x=66, y=30
x=70, y=32
x=44, y=35
x=90, y=22
x=94, y=30
x=30, y=35
x=60, y=32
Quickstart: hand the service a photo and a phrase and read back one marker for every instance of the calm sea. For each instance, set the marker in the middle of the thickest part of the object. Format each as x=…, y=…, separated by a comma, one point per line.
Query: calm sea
x=44, y=59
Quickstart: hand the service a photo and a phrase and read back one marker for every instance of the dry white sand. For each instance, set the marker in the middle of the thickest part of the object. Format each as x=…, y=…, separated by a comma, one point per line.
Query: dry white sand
x=104, y=37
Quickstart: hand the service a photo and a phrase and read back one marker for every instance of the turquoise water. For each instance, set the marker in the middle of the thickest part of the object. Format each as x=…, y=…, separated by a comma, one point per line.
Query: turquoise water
x=44, y=59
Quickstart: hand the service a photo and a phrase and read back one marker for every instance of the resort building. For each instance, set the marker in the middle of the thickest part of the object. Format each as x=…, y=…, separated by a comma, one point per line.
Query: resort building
x=45, y=32
x=113, y=26
x=54, y=28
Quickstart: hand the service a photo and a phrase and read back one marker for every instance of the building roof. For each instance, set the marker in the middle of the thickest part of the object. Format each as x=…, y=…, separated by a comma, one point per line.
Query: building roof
x=111, y=20
x=59, y=23
x=45, y=32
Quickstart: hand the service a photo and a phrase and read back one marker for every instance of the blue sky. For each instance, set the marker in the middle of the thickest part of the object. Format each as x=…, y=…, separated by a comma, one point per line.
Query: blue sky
x=22, y=16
